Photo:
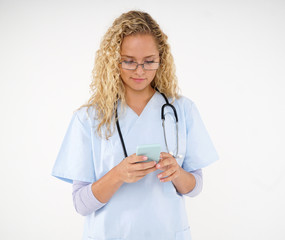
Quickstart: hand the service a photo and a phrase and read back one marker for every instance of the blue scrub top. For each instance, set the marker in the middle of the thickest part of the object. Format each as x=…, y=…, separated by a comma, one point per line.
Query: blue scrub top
x=147, y=209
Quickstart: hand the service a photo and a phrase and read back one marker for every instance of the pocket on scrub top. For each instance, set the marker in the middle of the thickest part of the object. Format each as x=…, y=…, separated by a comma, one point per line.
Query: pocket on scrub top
x=183, y=235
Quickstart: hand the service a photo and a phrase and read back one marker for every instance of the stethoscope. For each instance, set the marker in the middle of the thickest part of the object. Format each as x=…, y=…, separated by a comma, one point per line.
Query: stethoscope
x=167, y=104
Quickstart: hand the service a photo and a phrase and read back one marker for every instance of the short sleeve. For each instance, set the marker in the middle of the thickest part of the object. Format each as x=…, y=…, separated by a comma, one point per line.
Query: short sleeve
x=200, y=151
x=74, y=160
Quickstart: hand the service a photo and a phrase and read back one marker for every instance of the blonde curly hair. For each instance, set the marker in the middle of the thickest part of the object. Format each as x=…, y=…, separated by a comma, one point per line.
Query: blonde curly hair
x=107, y=86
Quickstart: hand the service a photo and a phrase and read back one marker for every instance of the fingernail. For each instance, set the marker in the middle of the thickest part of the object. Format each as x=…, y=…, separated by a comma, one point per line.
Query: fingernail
x=144, y=157
x=159, y=175
x=158, y=165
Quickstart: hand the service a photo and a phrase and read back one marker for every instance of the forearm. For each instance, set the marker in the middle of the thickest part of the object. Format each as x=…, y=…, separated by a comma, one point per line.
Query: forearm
x=104, y=188
x=189, y=183
x=85, y=201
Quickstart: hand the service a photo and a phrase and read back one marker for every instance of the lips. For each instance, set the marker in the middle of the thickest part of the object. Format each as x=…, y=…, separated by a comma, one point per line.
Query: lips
x=138, y=79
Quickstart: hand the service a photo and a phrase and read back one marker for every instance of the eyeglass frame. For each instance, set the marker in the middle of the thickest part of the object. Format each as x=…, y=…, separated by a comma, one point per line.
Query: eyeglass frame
x=138, y=66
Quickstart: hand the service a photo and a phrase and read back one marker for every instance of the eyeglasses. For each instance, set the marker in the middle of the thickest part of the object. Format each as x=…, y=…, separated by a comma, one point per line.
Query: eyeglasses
x=147, y=65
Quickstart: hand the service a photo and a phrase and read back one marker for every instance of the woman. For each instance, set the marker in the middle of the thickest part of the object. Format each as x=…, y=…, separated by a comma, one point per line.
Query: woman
x=122, y=195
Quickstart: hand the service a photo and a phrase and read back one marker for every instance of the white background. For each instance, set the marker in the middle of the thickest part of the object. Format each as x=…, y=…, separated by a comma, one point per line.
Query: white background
x=230, y=61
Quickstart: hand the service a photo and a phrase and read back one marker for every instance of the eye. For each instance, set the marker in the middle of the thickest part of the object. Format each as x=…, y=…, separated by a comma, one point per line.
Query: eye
x=129, y=62
x=149, y=62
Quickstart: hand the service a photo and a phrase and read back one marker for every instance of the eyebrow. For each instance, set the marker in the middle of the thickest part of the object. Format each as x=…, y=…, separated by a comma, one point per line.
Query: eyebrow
x=134, y=57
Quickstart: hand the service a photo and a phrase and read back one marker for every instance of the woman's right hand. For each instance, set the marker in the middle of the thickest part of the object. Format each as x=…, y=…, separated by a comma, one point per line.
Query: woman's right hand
x=131, y=169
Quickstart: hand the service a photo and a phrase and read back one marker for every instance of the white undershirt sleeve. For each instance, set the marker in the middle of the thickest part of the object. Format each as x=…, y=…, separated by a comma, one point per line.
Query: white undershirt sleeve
x=199, y=183
x=84, y=200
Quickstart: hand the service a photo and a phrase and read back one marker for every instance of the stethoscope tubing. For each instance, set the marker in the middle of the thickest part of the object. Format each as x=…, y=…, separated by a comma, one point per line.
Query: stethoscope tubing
x=167, y=104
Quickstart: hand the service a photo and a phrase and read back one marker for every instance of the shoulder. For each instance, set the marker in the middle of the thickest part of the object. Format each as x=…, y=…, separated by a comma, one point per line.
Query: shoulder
x=186, y=107
x=184, y=103
x=86, y=115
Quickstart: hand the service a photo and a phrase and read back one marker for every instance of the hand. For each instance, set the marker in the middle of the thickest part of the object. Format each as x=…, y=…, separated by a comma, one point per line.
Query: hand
x=169, y=165
x=129, y=170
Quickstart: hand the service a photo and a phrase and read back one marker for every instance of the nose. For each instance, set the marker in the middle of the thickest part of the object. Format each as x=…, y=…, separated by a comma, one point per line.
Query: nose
x=140, y=70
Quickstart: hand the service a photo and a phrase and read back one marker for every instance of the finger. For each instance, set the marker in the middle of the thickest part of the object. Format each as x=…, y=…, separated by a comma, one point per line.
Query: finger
x=131, y=158
x=143, y=165
x=134, y=158
x=167, y=173
x=165, y=155
x=164, y=168
x=161, y=168
x=165, y=162
x=169, y=178
x=142, y=173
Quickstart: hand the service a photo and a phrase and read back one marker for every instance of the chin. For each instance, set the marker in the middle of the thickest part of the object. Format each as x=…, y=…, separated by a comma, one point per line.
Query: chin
x=137, y=88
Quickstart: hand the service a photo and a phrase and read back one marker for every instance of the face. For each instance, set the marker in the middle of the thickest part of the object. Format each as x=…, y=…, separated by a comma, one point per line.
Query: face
x=138, y=48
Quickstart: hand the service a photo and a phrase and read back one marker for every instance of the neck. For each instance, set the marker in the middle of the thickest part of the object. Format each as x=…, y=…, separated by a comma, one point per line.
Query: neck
x=139, y=97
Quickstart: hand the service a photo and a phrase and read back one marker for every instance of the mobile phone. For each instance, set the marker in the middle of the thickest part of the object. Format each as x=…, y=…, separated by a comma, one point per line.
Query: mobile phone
x=152, y=151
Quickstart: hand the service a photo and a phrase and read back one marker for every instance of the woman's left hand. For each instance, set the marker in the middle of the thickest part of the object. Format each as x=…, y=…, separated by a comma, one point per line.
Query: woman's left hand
x=169, y=166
